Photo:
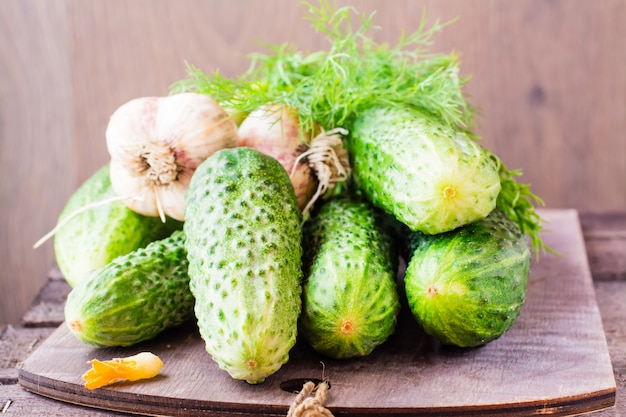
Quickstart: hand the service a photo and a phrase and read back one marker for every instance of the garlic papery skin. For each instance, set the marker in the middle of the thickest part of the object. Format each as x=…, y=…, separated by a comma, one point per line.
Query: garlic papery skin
x=156, y=144
x=275, y=131
x=316, y=161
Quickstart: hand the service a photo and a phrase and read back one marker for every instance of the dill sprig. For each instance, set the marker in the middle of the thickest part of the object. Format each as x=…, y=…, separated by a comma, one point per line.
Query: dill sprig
x=518, y=203
x=330, y=88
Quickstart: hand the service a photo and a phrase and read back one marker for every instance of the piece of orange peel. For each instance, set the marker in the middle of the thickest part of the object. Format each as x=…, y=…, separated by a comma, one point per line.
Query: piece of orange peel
x=143, y=365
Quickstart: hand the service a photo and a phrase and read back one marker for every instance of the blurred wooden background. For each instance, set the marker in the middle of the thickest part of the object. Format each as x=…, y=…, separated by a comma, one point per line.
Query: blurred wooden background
x=549, y=76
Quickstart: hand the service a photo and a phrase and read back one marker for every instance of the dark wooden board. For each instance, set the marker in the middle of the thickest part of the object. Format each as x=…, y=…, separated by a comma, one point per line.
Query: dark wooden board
x=553, y=361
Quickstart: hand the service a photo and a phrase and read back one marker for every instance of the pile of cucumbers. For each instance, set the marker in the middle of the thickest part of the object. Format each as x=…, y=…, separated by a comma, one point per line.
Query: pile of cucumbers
x=256, y=275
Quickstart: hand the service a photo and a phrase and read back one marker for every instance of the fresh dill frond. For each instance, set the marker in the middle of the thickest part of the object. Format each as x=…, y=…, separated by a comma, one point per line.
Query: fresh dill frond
x=330, y=88
x=518, y=203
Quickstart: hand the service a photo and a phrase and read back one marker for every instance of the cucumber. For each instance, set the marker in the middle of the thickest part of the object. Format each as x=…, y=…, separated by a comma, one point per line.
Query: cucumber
x=244, y=244
x=350, y=299
x=96, y=236
x=429, y=176
x=467, y=287
x=134, y=297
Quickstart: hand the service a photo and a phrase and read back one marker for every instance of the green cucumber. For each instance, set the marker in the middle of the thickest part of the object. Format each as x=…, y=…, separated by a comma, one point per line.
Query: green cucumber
x=244, y=244
x=467, y=287
x=429, y=176
x=350, y=299
x=134, y=297
x=94, y=237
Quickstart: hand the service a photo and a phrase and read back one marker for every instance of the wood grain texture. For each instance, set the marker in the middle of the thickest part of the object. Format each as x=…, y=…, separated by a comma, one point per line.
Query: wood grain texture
x=19, y=402
x=553, y=361
x=37, y=156
x=606, y=244
x=611, y=296
x=47, y=309
x=550, y=77
x=15, y=346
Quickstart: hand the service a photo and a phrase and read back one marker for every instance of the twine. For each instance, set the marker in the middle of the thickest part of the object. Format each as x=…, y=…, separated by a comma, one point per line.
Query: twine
x=305, y=405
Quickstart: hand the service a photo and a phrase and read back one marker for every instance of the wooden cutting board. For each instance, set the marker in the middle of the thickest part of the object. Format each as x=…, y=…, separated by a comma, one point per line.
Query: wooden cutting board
x=553, y=361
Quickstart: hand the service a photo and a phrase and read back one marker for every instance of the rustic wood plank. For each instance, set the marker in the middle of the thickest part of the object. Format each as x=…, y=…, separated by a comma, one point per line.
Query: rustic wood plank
x=37, y=158
x=601, y=223
x=16, y=343
x=611, y=296
x=605, y=238
x=19, y=402
x=47, y=308
x=554, y=359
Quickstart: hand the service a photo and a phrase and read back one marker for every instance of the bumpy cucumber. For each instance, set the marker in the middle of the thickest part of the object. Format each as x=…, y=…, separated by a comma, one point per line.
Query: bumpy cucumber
x=350, y=299
x=467, y=287
x=430, y=177
x=134, y=297
x=97, y=235
x=244, y=233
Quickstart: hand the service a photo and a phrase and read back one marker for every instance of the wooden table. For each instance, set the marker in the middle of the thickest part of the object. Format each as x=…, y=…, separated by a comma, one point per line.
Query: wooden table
x=605, y=239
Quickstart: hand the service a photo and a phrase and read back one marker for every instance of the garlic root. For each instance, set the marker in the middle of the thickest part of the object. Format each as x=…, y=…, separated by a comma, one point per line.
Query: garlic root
x=329, y=161
x=315, y=161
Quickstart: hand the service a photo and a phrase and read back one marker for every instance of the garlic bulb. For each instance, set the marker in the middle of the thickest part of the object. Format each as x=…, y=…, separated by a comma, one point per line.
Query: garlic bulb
x=156, y=144
x=316, y=161
x=274, y=130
